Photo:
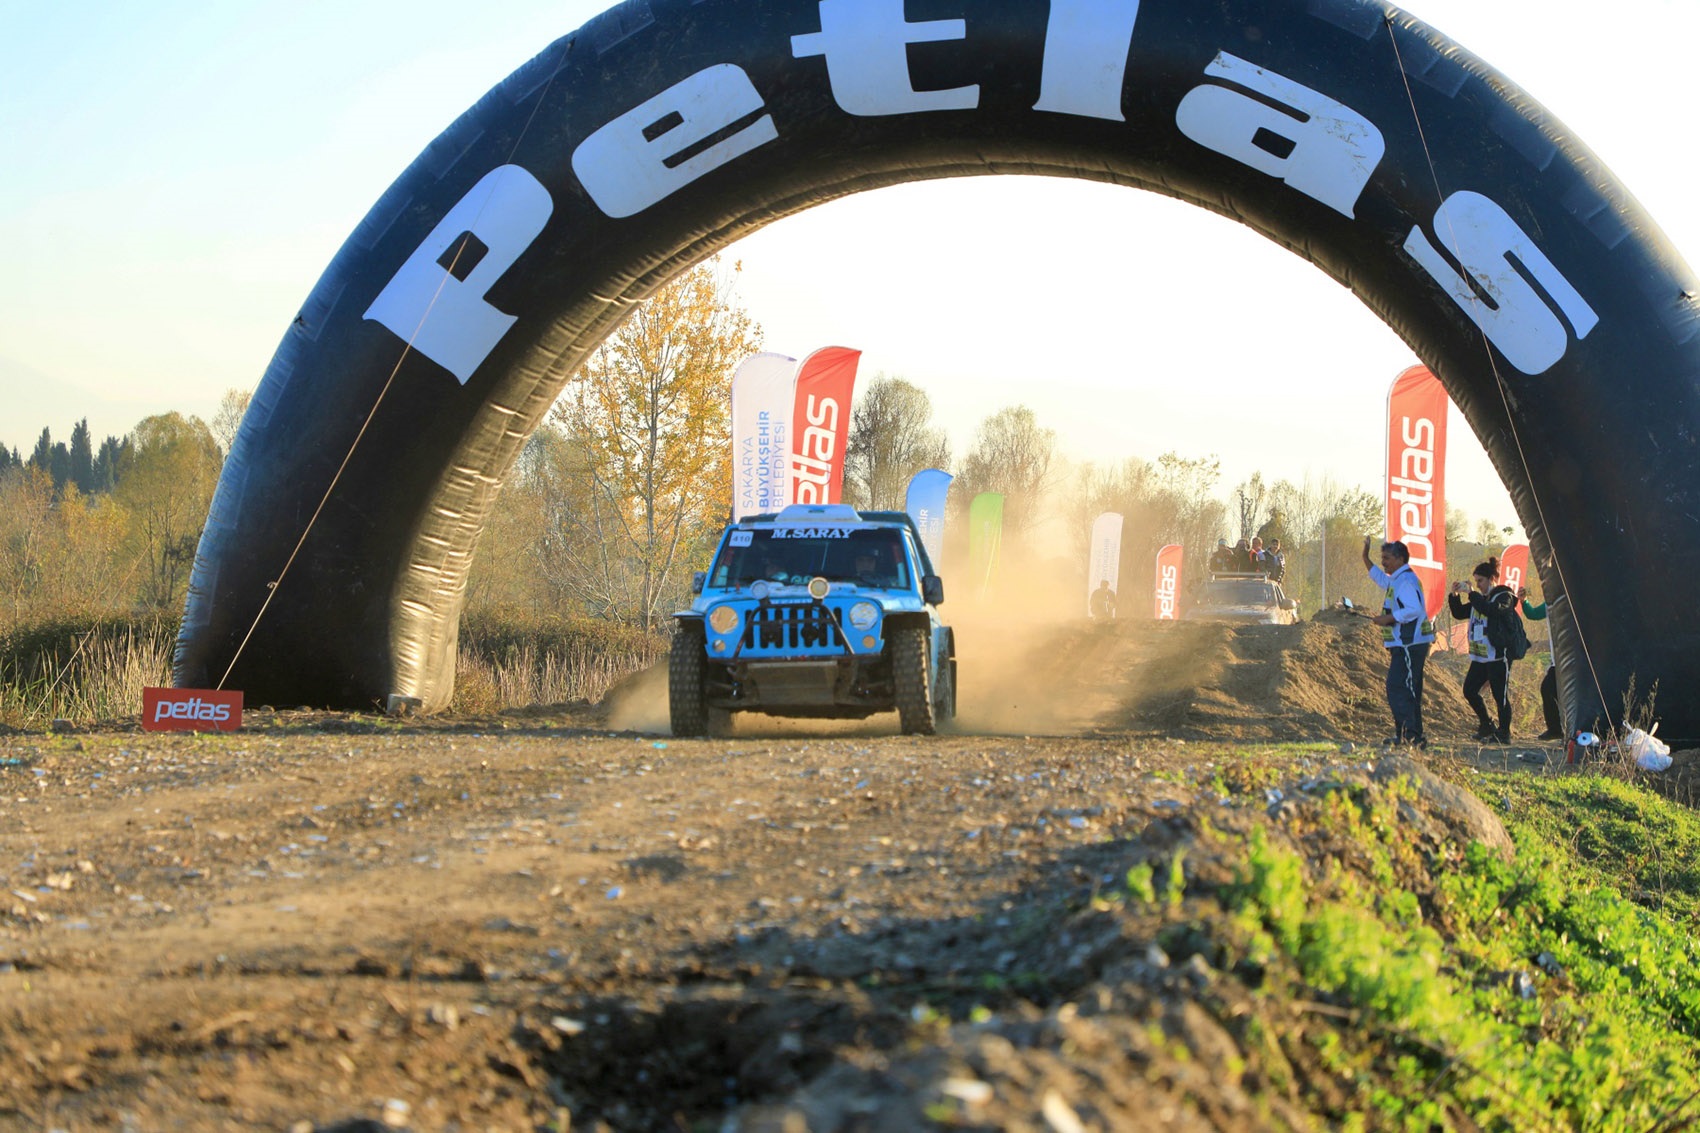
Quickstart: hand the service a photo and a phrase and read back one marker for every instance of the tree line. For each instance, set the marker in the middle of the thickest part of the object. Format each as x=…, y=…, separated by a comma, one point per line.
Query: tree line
x=621, y=493
x=92, y=533
x=76, y=463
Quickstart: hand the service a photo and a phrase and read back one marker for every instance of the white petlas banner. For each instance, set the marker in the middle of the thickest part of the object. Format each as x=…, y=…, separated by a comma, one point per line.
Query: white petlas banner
x=1106, y=554
x=763, y=396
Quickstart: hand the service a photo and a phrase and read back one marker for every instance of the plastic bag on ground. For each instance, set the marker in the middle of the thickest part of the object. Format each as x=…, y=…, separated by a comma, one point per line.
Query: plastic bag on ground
x=1649, y=752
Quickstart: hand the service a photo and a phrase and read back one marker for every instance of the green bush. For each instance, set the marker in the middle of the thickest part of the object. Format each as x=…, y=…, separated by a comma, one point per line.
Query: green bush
x=496, y=637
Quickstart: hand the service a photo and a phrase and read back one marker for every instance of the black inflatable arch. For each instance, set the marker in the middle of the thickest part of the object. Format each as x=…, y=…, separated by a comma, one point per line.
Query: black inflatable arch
x=664, y=130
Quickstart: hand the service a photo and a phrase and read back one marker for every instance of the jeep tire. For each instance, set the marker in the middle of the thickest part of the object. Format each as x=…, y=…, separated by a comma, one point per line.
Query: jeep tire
x=911, y=680
x=687, y=708
x=944, y=695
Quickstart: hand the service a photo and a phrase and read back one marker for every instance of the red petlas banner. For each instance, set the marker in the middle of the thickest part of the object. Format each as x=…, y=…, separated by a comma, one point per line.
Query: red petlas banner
x=1169, y=582
x=1416, y=476
x=1457, y=638
x=1514, y=566
x=820, y=426
x=190, y=710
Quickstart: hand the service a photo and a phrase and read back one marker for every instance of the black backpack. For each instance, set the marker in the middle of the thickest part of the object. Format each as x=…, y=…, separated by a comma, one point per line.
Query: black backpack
x=1505, y=631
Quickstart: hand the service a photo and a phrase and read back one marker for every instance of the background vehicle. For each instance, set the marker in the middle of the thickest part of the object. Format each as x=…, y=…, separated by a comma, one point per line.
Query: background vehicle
x=817, y=611
x=1249, y=598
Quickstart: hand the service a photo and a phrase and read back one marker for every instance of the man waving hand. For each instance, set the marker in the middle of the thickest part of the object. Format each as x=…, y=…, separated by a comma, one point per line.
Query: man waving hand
x=1407, y=631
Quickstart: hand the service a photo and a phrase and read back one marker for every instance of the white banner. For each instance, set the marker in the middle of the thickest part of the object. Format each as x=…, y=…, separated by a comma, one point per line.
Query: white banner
x=764, y=391
x=1106, y=553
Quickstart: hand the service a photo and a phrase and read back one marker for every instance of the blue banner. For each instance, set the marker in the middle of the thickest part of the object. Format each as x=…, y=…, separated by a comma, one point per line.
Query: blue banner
x=924, y=502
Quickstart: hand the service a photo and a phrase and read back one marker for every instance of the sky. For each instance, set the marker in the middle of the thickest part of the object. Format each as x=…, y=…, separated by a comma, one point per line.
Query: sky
x=177, y=174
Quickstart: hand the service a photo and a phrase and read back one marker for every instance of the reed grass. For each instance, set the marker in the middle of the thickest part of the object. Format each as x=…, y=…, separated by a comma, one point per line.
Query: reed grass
x=97, y=675
x=529, y=676
x=93, y=670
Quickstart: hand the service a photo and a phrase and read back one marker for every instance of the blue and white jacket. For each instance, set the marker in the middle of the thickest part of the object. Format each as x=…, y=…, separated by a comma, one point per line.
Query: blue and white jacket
x=1403, y=599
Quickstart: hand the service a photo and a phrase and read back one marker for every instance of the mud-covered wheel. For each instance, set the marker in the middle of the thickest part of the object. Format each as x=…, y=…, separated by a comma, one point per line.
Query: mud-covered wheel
x=944, y=695
x=687, y=708
x=910, y=676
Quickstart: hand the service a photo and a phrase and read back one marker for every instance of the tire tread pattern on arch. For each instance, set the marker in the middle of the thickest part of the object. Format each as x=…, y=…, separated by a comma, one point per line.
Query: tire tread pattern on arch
x=371, y=606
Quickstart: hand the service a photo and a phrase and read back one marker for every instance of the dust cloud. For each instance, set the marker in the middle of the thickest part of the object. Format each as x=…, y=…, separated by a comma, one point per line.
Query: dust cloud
x=639, y=703
x=1033, y=667
x=1030, y=663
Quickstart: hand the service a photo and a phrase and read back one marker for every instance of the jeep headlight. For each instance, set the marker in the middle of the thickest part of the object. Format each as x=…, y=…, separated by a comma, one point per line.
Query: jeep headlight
x=864, y=614
x=724, y=619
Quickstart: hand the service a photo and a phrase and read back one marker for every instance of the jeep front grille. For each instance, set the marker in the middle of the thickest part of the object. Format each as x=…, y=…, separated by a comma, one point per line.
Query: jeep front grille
x=791, y=630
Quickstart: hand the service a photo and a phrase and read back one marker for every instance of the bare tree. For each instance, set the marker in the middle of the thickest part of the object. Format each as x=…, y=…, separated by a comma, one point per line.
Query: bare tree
x=1250, y=496
x=1171, y=501
x=891, y=439
x=1305, y=507
x=232, y=407
x=1012, y=454
x=1488, y=533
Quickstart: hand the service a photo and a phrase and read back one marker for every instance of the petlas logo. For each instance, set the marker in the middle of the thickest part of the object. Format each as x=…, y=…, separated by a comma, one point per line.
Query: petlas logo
x=813, y=465
x=1168, y=583
x=190, y=710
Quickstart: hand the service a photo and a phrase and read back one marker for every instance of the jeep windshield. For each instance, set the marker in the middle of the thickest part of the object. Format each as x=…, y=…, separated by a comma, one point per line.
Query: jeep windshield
x=1237, y=592
x=791, y=556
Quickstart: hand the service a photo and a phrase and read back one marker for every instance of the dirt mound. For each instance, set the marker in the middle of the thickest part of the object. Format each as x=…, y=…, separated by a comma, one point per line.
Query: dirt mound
x=1322, y=679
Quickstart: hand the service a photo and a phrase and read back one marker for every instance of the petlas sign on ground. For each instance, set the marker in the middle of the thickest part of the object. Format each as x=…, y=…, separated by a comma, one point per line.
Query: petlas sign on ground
x=191, y=710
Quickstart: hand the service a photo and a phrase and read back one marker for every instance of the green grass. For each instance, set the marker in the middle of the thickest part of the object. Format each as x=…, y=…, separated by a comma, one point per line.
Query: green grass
x=1531, y=994
x=1397, y=983
x=1617, y=833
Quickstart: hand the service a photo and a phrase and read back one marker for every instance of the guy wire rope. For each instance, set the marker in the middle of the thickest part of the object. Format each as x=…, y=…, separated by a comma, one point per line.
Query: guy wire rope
x=272, y=586
x=1498, y=379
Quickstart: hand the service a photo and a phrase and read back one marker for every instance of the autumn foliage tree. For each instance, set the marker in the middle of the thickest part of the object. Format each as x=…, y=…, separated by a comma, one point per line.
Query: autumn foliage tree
x=232, y=407
x=649, y=413
x=165, y=484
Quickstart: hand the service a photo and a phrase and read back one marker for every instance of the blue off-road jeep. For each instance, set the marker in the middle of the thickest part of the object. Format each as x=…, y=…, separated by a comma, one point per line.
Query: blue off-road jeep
x=819, y=610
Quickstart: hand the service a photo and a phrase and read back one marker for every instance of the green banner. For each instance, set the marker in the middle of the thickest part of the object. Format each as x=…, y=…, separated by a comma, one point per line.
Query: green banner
x=985, y=534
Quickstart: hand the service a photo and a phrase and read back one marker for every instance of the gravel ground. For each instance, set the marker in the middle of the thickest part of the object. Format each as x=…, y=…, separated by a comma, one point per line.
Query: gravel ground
x=551, y=919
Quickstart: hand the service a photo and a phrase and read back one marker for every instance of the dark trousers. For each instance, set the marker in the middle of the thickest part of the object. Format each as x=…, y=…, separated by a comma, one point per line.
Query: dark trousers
x=1405, y=690
x=1549, y=701
x=1497, y=676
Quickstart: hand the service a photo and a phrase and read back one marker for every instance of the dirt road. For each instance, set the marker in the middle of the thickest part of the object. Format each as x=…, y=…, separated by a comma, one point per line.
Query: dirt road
x=549, y=919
